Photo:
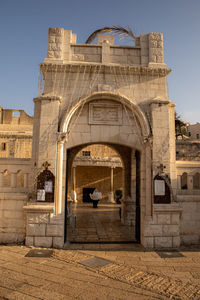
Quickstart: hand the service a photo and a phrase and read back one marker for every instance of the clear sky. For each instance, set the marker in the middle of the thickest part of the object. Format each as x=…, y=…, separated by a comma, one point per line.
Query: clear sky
x=24, y=32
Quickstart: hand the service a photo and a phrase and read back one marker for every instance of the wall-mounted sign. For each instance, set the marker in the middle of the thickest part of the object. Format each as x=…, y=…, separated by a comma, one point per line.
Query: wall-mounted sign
x=162, y=192
x=159, y=187
x=40, y=195
x=46, y=182
x=48, y=186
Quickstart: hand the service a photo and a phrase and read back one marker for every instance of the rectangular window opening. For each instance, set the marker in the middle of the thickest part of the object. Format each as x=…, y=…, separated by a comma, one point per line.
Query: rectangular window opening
x=16, y=114
x=3, y=147
x=85, y=153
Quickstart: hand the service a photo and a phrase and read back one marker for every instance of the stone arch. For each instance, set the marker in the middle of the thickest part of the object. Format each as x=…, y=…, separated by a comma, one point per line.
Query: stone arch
x=143, y=123
x=184, y=185
x=134, y=134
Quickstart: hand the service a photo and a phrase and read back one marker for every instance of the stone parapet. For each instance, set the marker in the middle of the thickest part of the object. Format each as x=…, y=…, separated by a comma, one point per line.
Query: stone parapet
x=43, y=228
x=162, y=230
x=62, y=48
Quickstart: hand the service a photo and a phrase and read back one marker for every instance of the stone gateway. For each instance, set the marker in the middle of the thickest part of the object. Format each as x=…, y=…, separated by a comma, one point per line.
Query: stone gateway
x=103, y=108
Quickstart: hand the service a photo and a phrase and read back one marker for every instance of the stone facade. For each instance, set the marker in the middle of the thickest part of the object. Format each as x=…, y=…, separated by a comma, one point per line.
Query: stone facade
x=114, y=96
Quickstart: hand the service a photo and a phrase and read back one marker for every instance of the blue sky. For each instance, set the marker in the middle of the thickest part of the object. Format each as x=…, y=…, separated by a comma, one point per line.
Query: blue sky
x=24, y=33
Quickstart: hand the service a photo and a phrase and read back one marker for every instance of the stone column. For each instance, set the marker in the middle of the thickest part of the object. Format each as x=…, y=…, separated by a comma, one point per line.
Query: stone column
x=45, y=130
x=26, y=180
x=74, y=184
x=1, y=179
x=112, y=200
x=133, y=176
x=59, y=178
x=148, y=159
x=13, y=180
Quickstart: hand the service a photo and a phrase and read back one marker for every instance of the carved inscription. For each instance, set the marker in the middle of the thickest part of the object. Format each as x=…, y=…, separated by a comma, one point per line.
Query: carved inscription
x=104, y=113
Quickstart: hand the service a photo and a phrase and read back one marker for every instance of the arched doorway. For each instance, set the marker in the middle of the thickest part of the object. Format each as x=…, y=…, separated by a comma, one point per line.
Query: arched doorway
x=110, y=120
x=110, y=168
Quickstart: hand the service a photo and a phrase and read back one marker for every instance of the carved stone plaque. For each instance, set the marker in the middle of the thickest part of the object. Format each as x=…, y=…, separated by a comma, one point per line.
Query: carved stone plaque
x=105, y=113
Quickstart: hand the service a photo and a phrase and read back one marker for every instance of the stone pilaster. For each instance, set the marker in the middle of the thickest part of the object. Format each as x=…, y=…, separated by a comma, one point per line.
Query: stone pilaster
x=13, y=180
x=163, y=138
x=55, y=44
x=1, y=179
x=156, y=52
x=45, y=131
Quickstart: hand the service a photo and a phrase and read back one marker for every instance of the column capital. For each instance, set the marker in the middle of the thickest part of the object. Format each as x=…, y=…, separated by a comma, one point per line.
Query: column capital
x=61, y=137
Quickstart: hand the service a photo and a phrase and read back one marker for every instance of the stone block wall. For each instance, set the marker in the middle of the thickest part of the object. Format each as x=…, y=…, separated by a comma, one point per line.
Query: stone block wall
x=128, y=212
x=163, y=229
x=12, y=222
x=43, y=228
x=190, y=220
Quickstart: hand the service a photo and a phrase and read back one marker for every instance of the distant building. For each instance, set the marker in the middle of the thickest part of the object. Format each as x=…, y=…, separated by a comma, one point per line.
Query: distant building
x=16, y=130
x=194, y=131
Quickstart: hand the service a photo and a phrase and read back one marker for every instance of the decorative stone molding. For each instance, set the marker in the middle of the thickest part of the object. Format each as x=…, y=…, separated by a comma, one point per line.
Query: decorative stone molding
x=61, y=137
x=47, y=97
x=159, y=100
x=108, y=69
x=55, y=44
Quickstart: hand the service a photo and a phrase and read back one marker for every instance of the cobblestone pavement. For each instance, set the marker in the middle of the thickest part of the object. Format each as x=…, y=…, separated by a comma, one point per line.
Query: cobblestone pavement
x=130, y=273
x=99, y=224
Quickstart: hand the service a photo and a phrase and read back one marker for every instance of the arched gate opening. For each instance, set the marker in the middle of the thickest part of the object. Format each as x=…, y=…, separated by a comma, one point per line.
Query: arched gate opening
x=110, y=168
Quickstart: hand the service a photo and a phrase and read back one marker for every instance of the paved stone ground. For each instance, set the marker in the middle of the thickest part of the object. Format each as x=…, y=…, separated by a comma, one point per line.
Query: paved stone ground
x=131, y=273
x=99, y=224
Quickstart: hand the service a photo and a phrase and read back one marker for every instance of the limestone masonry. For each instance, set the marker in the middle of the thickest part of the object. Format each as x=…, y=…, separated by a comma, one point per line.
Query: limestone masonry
x=102, y=120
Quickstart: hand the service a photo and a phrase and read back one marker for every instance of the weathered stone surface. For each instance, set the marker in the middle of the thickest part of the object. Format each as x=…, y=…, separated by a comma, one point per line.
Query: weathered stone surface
x=54, y=230
x=58, y=242
x=190, y=239
x=148, y=242
x=153, y=230
x=163, y=242
x=175, y=219
x=164, y=218
x=170, y=230
x=43, y=242
x=29, y=241
x=176, y=240
x=40, y=218
x=36, y=229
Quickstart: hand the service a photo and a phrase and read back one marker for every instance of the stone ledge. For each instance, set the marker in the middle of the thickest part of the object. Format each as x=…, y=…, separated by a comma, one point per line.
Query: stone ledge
x=37, y=208
x=47, y=97
x=104, y=68
x=165, y=208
